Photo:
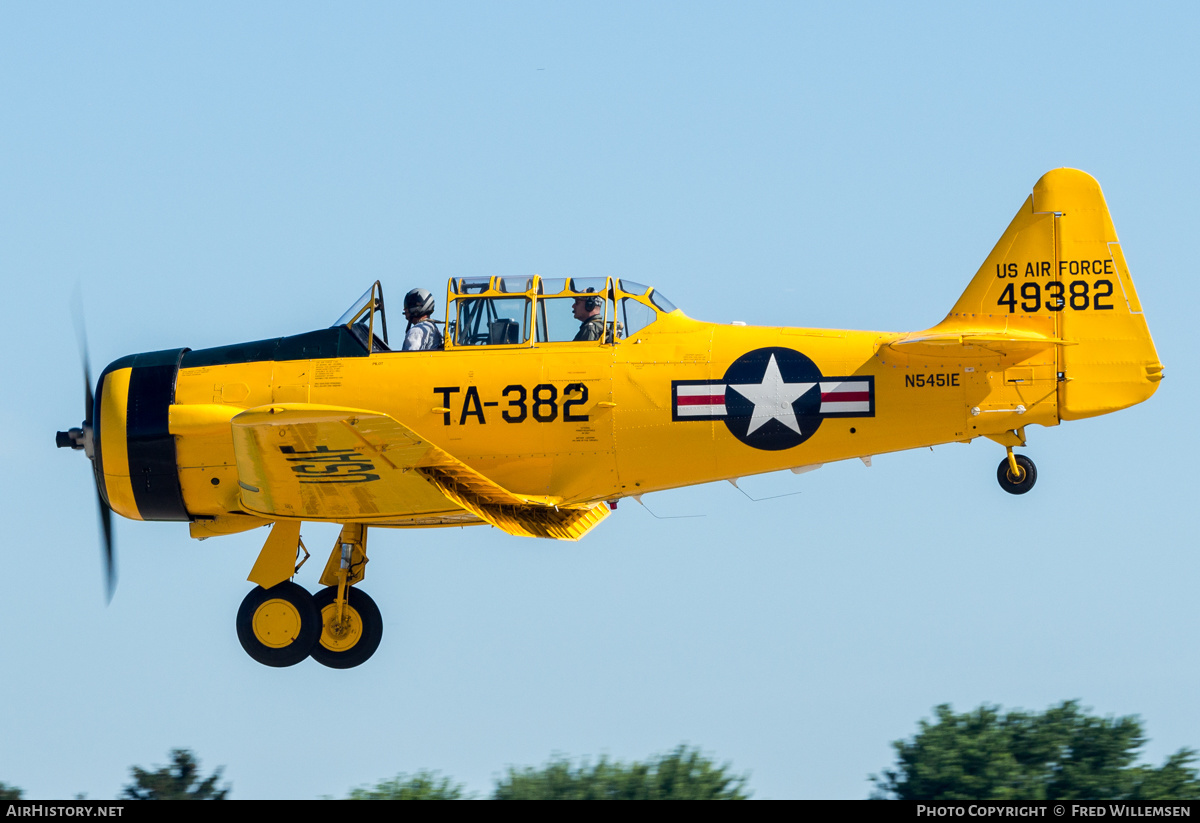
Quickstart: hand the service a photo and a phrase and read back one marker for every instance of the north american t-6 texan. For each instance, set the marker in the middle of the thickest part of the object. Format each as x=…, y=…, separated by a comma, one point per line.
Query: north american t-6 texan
x=516, y=423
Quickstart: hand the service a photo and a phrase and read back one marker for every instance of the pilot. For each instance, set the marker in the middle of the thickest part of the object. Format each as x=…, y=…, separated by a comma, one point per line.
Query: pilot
x=589, y=312
x=422, y=334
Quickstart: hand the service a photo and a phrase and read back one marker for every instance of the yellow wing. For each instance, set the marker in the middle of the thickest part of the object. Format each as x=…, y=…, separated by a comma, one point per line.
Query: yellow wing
x=332, y=463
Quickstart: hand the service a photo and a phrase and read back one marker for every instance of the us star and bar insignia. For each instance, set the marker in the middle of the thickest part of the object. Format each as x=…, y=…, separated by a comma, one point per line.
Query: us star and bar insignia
x=773, y=398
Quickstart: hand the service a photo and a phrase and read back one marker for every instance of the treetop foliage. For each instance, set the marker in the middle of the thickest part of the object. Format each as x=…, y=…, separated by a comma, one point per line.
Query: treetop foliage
x=684, y=774
x=1063, y=753
x=179, y=781
x=8, y=792
x=424, y=785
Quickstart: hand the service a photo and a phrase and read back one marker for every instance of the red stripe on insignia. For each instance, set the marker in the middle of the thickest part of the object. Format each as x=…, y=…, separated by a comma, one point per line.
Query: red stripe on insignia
x=701, y=400
x=845, y=396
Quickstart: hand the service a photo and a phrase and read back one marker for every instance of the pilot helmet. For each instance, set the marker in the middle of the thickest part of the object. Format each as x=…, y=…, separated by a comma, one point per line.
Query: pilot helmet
x=418, y=303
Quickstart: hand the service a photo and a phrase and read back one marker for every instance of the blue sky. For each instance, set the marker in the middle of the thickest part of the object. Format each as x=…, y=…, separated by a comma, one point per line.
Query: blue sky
x=225, y=172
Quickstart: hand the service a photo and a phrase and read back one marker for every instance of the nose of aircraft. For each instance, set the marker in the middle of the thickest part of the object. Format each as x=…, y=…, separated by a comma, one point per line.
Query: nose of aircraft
x=134, y=448
x=125, y=434
x=83, y=439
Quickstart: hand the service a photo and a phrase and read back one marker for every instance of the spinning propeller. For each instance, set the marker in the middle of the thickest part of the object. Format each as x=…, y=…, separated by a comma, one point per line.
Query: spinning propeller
x=84, y=438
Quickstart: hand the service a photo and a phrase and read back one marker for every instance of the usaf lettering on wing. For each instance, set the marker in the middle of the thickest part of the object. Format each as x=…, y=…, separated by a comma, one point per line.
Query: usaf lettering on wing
x=326, y=465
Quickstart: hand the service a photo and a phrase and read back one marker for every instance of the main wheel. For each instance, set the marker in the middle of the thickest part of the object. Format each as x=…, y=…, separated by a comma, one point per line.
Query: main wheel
x=278, y=626
x=351, y=642
x=1022, y=483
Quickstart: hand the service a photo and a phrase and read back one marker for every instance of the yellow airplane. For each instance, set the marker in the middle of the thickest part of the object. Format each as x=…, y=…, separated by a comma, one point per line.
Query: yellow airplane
x=516, y=424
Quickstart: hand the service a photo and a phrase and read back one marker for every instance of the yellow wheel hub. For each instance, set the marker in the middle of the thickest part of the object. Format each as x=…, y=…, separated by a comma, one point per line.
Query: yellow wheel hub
x=276, y=623
x=340, y=636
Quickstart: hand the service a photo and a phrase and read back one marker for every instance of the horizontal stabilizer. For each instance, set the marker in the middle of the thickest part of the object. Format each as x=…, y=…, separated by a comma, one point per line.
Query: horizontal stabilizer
x=978, y=343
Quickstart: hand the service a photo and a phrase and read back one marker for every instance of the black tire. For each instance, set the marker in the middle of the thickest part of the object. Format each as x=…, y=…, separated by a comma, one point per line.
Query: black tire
x=1022, y=484
x=368, y=625
x=278, y=626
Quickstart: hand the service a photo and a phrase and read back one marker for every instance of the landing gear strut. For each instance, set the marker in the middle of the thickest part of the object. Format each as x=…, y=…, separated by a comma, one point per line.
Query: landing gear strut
x=1016, y=473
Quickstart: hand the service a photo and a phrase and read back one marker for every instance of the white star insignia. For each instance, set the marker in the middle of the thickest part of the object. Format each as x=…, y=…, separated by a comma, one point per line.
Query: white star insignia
x=773, y=399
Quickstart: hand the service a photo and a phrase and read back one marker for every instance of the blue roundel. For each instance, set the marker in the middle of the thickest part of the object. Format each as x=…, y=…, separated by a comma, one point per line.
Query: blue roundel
x=773, y=398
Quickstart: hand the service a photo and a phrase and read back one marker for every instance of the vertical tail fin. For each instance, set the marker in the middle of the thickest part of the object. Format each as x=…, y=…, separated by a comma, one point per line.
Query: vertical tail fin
x=1059, y=272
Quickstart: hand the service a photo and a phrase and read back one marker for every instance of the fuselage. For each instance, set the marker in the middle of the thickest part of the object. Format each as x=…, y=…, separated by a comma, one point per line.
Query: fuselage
x=681, y=402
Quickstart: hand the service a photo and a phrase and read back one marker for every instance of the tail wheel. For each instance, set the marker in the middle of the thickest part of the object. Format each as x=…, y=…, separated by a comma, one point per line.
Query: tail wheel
x=1027, y=475
x=278, y=626
x=350, y=642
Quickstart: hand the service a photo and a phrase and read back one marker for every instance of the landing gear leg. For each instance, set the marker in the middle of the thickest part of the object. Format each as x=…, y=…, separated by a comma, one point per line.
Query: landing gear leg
x=277, y=623
x=1016, y=473
x=351, y=626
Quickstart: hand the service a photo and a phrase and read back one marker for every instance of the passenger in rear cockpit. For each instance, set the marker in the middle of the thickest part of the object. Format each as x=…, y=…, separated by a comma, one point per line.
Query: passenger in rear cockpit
x=588, y=311
x=422, y=334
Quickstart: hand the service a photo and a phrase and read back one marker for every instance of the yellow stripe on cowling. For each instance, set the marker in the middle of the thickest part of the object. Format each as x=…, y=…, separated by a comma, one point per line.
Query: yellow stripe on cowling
x=114, y=447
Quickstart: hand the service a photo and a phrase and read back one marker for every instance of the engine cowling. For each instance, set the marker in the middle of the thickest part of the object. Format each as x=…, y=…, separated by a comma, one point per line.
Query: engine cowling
x=135, y=461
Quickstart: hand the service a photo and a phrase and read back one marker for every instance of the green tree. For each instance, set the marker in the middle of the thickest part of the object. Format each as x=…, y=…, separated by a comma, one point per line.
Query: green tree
x=1061, y=754
x=423, y=785
x=684, y=774
x=179, y=781
x=8, y=792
